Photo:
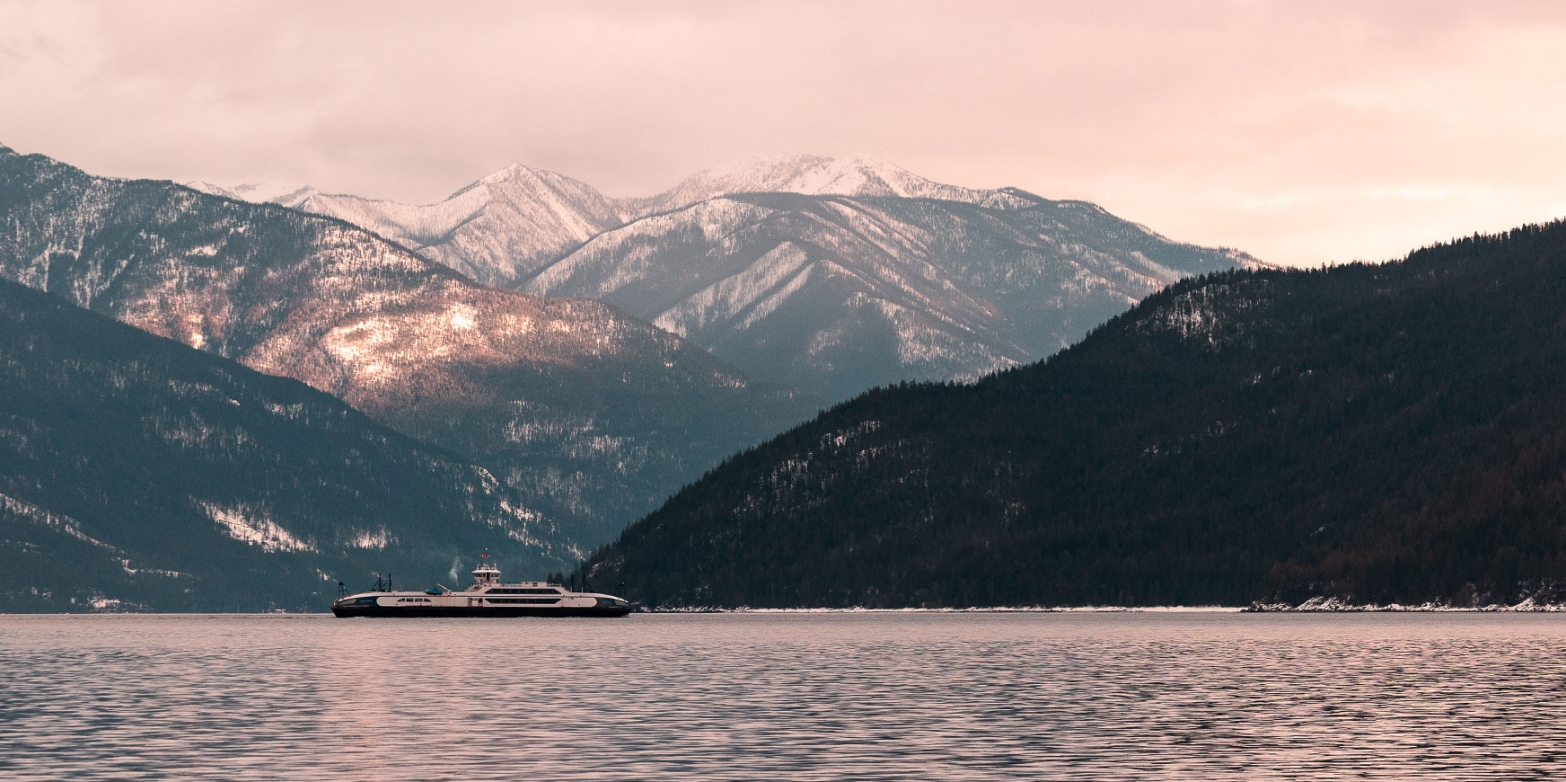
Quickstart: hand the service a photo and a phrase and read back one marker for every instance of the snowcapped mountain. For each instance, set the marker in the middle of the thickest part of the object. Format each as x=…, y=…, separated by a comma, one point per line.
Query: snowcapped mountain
x=805, y=175
x=258, y=192
x=835, y=294
x=494, y=230
x=828, y=275
x=593, y=415
x=139, y=474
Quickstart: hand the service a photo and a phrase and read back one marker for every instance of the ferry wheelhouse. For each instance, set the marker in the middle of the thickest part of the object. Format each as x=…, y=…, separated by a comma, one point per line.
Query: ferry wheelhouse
x=487, y=596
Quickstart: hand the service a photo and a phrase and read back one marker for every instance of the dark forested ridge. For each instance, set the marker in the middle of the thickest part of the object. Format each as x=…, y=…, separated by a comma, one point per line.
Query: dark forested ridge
x=1378, y=433
x=139, y=474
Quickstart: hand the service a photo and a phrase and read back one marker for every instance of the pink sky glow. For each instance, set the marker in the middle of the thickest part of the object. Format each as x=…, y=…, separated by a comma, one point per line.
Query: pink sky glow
x=1302, y=132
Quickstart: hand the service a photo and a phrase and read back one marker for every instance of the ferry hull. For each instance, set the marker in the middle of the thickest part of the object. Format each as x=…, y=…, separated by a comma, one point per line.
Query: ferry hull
x=488, y=596
x=471, y=611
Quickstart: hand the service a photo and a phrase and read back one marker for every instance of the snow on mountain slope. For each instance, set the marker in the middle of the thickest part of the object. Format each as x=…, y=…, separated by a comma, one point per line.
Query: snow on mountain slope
x=806, y=175
x=494, y=230
x=869, y=275
x=594, y=415
x=258, y=192
x=836, y=294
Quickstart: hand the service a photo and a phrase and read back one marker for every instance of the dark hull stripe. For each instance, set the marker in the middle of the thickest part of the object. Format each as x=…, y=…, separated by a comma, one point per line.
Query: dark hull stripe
x=466, y=611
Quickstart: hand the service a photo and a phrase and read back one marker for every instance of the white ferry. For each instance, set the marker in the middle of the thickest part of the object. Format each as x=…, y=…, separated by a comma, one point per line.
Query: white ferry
x=486, y=597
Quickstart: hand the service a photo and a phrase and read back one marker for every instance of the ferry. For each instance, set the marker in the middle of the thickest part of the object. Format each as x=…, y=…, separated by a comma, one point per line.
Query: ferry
x=486, y=597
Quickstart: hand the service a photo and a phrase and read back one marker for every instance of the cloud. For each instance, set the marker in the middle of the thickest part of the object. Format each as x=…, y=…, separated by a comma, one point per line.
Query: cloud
x=1287, y=129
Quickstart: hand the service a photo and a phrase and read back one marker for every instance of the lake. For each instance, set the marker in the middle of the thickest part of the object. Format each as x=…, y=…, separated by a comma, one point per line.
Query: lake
x=828, y=696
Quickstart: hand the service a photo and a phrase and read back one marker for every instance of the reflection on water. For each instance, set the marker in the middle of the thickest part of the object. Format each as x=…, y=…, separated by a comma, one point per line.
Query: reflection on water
x=785, y=696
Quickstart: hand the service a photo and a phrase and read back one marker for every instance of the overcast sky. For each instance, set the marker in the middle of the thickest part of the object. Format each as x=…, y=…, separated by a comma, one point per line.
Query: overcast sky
x=1302, y=132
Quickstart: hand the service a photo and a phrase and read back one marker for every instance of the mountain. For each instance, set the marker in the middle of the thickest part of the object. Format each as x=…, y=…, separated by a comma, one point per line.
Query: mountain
x=258, y=192
x=835, y=294
x=823, y=274
x=137, y=473
x=494, y=230
x=1376, y=434
x=804, y=175
x=594, y=416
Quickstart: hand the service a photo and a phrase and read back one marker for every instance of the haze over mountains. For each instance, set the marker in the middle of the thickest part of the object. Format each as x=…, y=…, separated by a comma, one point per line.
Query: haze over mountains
x=593, y=415
x=1376, y=434
x=829, y=275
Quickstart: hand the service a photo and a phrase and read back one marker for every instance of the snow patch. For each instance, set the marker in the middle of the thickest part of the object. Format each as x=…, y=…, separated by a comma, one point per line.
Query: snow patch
x=842, y=437
x=728, y=297
x=460, y=316
x=291, y=412
x=376, y=541
x=253, y=527
x=125, y=565
x=55, y=521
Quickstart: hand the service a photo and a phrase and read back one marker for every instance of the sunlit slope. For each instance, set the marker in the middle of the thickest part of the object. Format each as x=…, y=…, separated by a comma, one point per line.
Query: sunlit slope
x=595, y=416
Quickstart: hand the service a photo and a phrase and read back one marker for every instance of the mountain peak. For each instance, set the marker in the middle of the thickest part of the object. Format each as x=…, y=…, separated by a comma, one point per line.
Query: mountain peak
x=516, y=172
x=806, y=175
x=493, y=229
x=824, y=175
x=513, y=171
x=257, y=192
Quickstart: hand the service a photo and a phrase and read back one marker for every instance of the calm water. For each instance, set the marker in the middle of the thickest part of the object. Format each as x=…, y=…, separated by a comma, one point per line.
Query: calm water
x=791, y=696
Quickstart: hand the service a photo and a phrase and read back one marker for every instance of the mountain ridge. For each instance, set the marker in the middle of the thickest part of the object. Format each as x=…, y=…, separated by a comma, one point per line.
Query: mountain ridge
x=594, y=415
x=885, y=276
x=837, y=294
x=1372, y=434
x=804, y=175
x=492, y=229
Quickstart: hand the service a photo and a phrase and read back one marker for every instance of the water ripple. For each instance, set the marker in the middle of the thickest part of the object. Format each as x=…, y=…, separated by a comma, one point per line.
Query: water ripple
x=785, y=696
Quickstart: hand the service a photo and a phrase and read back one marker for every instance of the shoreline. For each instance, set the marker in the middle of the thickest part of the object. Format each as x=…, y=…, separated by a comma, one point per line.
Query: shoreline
x=1312, y=606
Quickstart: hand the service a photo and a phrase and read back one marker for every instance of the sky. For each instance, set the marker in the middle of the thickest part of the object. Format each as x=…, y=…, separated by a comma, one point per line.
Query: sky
x=1301, y=132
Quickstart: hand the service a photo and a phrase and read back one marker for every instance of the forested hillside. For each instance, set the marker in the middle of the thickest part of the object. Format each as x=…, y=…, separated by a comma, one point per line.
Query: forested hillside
x=1379, y=433
x=140, y=474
